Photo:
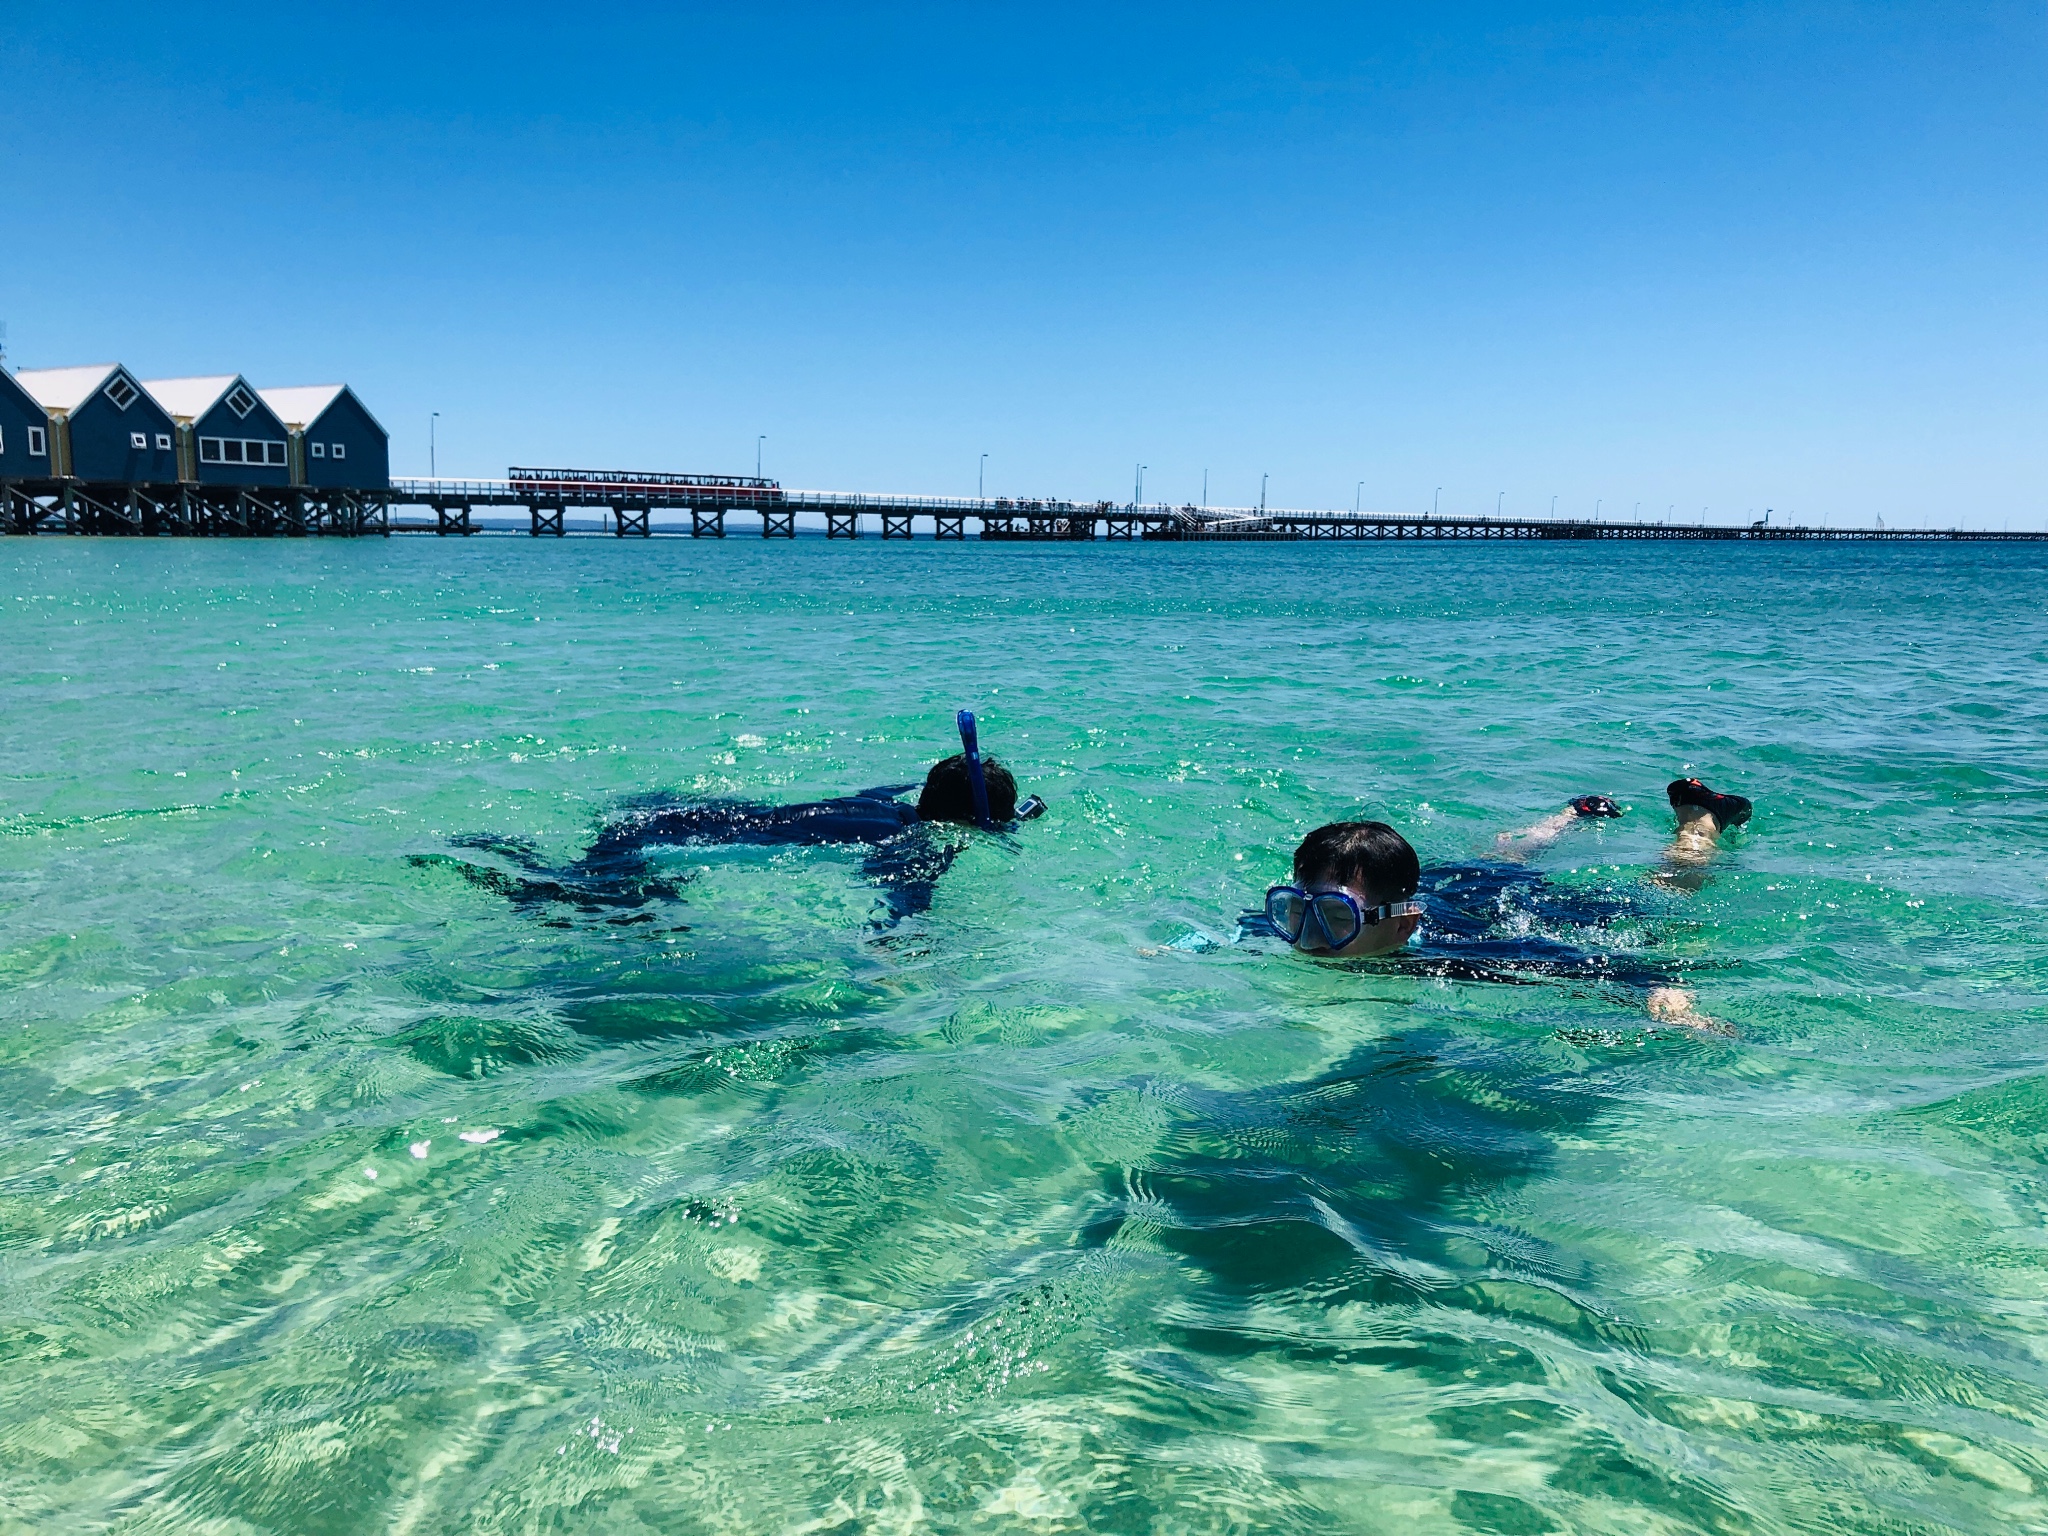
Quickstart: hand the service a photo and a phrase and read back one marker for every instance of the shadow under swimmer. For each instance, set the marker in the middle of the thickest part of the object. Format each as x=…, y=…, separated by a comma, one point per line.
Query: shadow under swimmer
x=908, y=845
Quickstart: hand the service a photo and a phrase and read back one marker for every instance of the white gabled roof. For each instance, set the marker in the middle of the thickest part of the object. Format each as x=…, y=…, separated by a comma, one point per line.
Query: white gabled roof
x=298, y=406
x=190, y=399
x=64, y=389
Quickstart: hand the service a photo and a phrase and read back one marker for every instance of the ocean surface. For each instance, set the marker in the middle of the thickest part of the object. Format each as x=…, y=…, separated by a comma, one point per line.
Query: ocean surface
x=338, y=1194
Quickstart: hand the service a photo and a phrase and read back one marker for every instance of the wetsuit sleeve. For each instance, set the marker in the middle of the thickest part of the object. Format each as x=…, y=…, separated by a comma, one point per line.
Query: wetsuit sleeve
x=907, y=869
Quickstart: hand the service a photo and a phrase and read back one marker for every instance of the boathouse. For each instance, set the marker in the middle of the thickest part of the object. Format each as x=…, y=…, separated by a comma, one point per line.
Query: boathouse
x=103, y=425
x=227, y=435
x=337, y=445
x=24, y=433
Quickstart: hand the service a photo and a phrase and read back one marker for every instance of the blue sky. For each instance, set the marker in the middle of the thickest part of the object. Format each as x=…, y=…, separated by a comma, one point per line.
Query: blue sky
x=1727, y=256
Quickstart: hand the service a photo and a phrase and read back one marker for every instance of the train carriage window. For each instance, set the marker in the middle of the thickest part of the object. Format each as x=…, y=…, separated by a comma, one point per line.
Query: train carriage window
x=38, y=443
x=319, y=450
x=240, y=401
x=121, y=392
x=163, y=442
x=340, y=451
x=138, y=439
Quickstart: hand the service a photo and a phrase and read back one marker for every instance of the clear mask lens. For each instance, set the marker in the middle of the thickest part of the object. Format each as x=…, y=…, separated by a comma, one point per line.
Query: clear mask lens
x=1286, y=910
x=1340, y=919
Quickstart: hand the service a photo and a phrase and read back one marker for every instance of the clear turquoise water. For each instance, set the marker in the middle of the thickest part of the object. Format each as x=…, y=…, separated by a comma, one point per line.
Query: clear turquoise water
x=1022, y=1218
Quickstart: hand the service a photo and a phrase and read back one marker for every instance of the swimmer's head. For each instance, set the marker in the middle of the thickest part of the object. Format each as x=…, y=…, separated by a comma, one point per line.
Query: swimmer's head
x=1374, y=863
x=949, y=796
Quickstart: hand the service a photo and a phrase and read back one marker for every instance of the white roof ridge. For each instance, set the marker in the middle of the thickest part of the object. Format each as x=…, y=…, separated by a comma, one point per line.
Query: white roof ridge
x=65, y=389
x=193, y=395
x=279, y=397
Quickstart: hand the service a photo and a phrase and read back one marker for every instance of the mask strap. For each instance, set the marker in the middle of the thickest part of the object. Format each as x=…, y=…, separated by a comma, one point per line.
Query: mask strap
x=970, y=747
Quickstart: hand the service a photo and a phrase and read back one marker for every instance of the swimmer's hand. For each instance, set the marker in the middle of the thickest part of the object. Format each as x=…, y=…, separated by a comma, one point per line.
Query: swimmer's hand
x=1678, y=1007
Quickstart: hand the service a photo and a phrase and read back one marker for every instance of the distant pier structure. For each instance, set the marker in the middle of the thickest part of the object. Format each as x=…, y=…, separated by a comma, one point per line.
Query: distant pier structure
x=711, y=506
x=218, y=457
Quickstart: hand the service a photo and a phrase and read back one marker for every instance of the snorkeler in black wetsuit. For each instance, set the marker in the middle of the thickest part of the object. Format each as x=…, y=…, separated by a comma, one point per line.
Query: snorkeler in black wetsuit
x=1360, y=891
x=906, y=853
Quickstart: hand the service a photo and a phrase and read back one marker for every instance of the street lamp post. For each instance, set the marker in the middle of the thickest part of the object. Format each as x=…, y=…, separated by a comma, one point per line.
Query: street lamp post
x=1503, y=496
x=1434, y=500
x=1358, y=499
x=1262, y=493
x=1138, y=491
x=1205, y=488
x=433, y=459
x=758, y=441
x=981, y=478
x=1553, y=507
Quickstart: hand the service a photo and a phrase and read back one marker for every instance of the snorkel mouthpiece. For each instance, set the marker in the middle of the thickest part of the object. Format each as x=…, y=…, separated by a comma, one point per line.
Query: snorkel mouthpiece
x=970, y=748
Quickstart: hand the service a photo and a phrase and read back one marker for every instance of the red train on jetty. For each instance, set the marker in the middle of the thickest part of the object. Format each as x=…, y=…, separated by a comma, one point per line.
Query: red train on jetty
x=729, y=490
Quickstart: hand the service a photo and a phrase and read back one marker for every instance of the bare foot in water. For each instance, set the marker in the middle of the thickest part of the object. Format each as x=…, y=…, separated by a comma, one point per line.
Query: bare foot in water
x=1679, y=1008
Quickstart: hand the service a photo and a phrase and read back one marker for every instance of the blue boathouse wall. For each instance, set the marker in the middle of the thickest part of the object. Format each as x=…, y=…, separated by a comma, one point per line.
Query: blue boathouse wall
x=104, y=438
x=221, y=425
x=19, y=415
x=365, y=464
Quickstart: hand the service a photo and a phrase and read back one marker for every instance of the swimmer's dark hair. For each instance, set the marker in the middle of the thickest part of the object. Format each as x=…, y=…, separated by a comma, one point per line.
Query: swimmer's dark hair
x=948, y=796
x=1369, y=856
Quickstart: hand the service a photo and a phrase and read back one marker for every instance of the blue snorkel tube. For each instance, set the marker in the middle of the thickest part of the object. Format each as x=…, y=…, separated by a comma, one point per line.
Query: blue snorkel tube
x=970, y=748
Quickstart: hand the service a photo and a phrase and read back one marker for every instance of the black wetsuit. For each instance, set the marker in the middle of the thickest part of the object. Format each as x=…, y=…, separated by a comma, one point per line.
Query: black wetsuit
x=905, y=856
x=1498, y=921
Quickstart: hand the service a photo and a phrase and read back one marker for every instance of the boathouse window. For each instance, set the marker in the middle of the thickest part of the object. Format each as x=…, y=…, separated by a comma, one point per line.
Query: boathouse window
x=341, y=450
x=122, y=393
x=38, y=443
x=163, y=442
x=319, y=450
x=240, y=450
x=240, y=402
x=138, y=439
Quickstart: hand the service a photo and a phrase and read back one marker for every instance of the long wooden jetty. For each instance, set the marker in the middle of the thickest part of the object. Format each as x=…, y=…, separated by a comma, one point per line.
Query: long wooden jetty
x=630, y=501
x=645, y=505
